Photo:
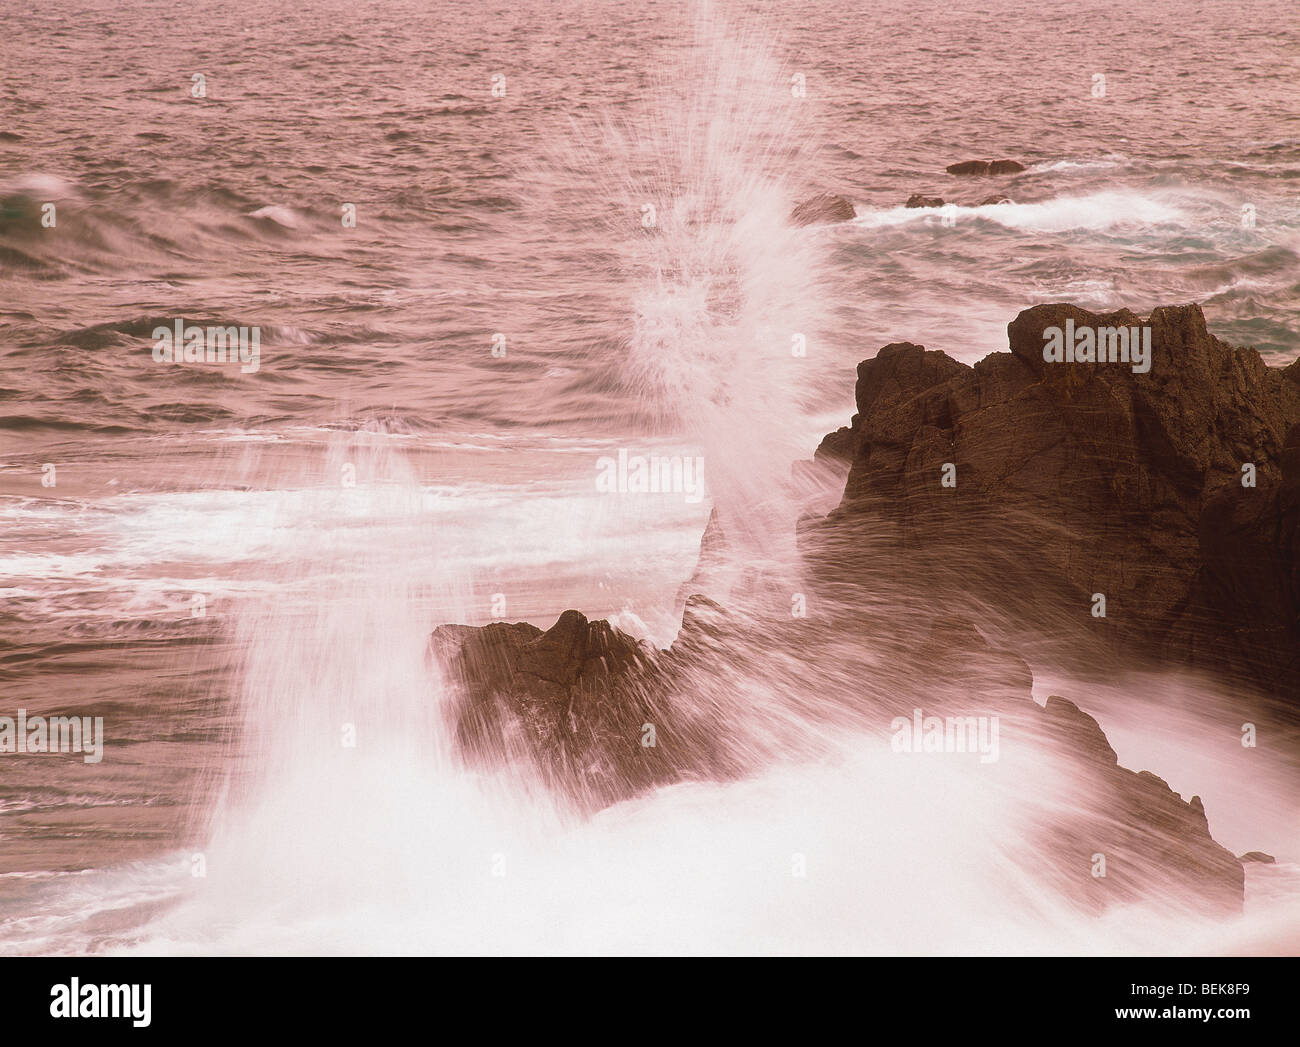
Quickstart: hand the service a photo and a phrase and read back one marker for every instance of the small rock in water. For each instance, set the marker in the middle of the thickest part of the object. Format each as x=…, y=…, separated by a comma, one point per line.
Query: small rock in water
x=996, y=198
x=827, y=207
x=985, y=167
x=917, y=200
x=1258, y=856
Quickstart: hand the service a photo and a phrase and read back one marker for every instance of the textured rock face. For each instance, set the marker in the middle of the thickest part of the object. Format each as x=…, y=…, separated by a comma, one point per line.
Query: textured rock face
x=1152, y=841
x=917, y=200
x=1077, y=479
x=574, y=703
x=826, y=207
x=587, y=707
x=1144, y=831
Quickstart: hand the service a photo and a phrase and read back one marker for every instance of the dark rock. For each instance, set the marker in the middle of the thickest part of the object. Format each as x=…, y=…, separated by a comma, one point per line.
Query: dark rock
x=574, y=703
x=985, y=167
x=1081, y=732
x=826, y=207
x=917, y=200
x=996, y=198
x=969, y=167
x=1143, y=830
x=840, y=445
x=1075, y=479
x=1258, y=856
x=1072, y=479
x=583, y=704
x=1149, y=837
x=897, y=369
x=570, y=700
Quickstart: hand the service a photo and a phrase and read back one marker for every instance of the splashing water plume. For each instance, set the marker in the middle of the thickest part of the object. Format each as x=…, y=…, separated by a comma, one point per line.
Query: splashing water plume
x=724, y=289
x=351, y=822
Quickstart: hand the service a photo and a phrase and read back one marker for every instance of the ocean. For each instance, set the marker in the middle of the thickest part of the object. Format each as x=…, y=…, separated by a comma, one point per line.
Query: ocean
x=486, y=246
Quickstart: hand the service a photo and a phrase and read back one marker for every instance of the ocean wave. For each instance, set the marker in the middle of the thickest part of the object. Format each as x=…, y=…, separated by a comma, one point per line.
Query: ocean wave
x=285, y=217
x=123, y=332
x=1094, y=211
x=1117, y=160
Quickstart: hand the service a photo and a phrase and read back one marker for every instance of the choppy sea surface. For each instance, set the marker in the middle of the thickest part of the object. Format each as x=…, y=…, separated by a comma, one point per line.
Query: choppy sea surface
x=571, y=237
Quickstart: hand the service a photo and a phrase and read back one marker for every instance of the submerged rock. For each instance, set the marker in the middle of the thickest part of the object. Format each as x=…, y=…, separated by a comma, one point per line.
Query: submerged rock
x=996, y=198
x=827, y=207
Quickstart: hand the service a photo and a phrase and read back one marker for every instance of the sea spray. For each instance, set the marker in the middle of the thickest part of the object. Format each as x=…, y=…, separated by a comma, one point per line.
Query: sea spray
x=726, y=310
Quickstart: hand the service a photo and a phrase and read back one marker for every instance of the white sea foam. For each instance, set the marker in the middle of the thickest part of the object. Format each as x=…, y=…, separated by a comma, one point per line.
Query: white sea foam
x=1094, y=211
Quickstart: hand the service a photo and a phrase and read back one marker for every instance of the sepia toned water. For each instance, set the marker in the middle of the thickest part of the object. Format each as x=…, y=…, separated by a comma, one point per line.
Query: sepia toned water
x=571, y=237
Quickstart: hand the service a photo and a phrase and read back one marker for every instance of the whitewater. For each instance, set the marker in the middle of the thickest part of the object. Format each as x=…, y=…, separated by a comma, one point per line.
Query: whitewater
x=241, y=574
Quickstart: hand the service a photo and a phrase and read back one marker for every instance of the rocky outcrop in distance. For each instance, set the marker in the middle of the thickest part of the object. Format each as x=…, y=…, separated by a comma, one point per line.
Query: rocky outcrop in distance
x=827, y=207
x=920, y=200
x=985, y=167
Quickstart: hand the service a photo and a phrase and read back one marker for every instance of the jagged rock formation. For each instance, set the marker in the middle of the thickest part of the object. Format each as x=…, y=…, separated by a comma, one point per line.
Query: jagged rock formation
x=1071, y=479
x=1075, y=479
x=570, y=700
x=575, y=703
x=1145, y=833
x=583, y=704
x=917, y=200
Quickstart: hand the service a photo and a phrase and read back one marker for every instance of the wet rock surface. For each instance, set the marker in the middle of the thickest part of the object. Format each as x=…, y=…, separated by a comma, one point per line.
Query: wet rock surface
x=826, y=207
x=1078, y=479
x=575, y=703
x=1140, y=471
